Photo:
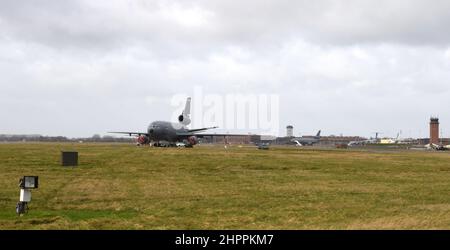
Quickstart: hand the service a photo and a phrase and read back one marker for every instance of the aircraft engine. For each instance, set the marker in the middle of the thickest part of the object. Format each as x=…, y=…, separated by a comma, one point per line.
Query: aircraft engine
x=143, y=139
x=192, y=140
x=185, y=120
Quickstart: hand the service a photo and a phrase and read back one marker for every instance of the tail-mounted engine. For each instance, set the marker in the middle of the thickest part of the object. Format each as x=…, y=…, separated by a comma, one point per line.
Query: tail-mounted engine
x=143, y=139
x=184, y=119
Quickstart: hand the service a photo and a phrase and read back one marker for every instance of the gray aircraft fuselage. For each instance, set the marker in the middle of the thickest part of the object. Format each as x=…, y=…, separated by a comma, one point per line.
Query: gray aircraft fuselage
x=165, y=131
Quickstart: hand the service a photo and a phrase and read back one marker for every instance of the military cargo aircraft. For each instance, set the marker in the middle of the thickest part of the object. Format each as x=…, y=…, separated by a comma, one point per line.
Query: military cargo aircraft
x=301, y=141
x=169, y=134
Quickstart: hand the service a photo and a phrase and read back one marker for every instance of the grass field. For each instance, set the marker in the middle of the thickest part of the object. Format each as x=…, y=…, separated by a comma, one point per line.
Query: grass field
x=119, y=186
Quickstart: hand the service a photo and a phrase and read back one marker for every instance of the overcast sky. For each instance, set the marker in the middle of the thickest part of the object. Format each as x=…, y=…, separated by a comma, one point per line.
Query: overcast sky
x=353, y=67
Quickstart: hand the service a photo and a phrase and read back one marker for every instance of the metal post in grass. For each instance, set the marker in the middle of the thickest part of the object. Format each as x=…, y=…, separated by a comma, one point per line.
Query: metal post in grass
x=26, y=184
x=69, y=158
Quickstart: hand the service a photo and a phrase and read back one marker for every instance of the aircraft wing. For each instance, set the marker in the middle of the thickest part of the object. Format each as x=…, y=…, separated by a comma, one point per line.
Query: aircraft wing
x=200, y=135
x=201, y=129
x=130, y=133
x=298, y=143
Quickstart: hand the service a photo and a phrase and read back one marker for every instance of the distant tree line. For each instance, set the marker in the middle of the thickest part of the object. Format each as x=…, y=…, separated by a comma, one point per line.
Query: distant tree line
x=40, y=138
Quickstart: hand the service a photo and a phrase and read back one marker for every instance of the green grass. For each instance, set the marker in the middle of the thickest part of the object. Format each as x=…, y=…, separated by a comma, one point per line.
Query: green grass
x=119, y=186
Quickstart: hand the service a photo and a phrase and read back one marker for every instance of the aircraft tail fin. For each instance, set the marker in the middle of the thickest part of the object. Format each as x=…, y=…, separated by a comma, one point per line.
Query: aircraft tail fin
x=187, y=107
x=318, y=133
x=184, y=118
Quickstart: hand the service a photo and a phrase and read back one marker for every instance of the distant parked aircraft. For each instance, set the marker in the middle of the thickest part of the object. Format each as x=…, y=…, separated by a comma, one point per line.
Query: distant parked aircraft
x=364, y=142
x=436, y=146
x=301, y=141
x=397, y=140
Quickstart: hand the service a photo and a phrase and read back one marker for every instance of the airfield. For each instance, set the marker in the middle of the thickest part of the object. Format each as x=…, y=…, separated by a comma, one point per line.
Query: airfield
x=121, y=186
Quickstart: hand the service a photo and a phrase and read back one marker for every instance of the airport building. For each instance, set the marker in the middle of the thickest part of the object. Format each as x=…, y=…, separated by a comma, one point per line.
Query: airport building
x=243, y=139
x=331, y=140
x=425, y=141
x=323, y=141
x=334, y=140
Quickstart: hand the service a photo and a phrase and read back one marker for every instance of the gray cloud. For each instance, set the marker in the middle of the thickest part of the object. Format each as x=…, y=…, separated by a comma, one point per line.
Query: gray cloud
x=89, y=24
x=344, y=66
x=202, y=25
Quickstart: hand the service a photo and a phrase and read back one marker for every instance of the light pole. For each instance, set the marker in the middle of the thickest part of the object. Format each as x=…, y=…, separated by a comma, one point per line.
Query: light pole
x=26, y=184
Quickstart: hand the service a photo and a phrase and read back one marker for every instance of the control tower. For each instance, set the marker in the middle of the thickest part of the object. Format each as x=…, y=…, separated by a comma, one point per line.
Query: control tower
x=289, y=131
x=434, y=130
